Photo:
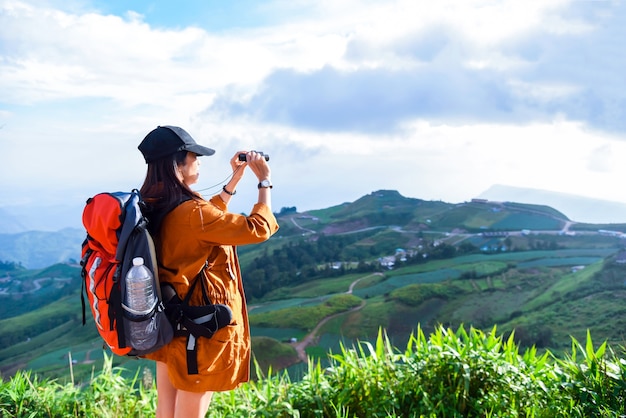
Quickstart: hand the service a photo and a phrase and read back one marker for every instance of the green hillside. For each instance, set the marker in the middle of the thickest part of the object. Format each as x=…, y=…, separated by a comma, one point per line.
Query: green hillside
x=338, y=275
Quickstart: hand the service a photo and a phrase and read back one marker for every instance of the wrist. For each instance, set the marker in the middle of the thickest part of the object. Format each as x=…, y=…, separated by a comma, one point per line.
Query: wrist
x=228, y=192
x=265, y=183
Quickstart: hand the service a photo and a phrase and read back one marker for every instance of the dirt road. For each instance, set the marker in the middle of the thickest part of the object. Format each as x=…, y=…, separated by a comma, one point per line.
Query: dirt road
x=301, y=345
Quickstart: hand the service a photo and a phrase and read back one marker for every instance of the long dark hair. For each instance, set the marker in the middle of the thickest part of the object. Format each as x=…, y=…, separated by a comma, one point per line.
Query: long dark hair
x=162, y=191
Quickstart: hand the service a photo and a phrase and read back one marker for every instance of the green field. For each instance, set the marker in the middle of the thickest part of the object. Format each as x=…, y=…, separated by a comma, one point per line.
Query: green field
x=532, y=289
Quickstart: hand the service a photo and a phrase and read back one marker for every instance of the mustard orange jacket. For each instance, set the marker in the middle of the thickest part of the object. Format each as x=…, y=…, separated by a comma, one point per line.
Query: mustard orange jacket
x=192, y=234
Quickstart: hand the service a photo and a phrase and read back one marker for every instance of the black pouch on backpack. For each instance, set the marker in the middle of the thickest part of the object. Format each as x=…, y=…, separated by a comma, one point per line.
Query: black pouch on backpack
x=194, y=322
x=200, y=321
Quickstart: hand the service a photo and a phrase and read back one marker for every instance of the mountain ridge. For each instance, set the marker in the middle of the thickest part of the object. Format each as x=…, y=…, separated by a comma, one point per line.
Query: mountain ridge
x=54, y=217
x=577, y=208
x=382, y=208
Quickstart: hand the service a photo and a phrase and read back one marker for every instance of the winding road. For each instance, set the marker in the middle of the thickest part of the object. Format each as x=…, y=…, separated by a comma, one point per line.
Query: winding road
x=301, y=345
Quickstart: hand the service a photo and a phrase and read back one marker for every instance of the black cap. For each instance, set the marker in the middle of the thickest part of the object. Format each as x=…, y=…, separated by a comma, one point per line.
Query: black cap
x=168, y=140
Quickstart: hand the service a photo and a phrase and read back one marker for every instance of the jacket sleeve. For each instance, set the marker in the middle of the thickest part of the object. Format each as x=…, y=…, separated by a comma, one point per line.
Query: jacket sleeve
x=214, y=225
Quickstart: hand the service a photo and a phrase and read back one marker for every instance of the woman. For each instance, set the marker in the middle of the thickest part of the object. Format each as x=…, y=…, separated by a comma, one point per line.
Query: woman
x=196, y=239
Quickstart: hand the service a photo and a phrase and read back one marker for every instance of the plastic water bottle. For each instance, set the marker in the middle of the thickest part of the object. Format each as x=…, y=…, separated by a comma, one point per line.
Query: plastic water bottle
x=140, y=301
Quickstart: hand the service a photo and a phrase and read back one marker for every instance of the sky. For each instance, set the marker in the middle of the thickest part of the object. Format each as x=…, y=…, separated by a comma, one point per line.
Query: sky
x=438, y=100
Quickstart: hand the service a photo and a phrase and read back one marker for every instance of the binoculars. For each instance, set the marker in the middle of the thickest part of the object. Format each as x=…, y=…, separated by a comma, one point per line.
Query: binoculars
x=242, y=157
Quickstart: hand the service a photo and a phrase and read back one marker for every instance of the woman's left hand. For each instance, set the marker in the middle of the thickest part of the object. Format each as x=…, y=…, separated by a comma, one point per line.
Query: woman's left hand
x=237, y=165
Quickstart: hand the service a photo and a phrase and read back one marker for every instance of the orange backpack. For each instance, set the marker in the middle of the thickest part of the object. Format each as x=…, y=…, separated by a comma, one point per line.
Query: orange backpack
x=117, y=233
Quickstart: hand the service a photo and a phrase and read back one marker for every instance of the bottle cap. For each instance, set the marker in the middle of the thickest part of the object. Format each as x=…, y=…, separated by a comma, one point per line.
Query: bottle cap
x=138, y=261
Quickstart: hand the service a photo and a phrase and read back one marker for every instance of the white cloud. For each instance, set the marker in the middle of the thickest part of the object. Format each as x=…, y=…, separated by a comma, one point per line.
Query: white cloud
x=602, y=159
x=438, y=99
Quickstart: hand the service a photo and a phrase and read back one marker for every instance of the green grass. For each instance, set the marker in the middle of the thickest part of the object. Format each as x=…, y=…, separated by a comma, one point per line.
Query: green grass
x=444, y=374
x=316, y=288
x=268, y=352
x=559, y=261
x=365, y=322
x=482, y=219
x=108, y=394
x=416, y=294
x=304, y=317
x=506, y=257
x=564, y=285
x=521, y=220
x=436, y=292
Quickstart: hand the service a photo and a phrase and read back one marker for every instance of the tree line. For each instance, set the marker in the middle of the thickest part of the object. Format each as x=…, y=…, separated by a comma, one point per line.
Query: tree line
x=7, y=266
x=329, y=256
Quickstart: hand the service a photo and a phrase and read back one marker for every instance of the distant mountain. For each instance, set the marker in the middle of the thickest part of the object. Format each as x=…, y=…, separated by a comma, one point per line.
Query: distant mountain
x=40, y=217
x=9, y=223
x=577, y=208
x=39, y=249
